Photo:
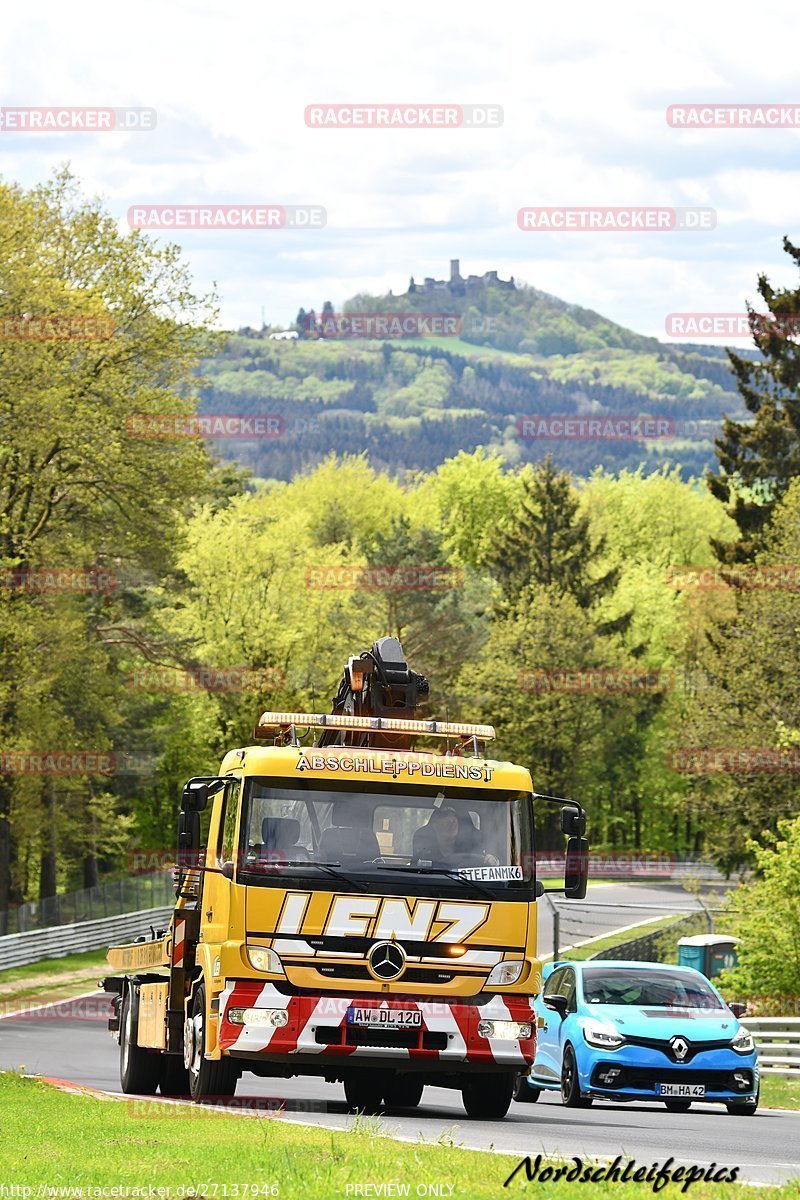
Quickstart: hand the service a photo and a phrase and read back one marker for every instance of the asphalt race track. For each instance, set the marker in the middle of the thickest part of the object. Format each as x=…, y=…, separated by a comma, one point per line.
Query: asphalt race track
x=69, y=1041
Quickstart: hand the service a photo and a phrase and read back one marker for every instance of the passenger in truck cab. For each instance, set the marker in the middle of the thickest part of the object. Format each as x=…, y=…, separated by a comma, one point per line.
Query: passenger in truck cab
x=449, y=839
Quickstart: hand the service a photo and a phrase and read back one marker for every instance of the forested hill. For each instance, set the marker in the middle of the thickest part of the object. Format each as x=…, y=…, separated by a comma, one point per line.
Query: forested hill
x=412, y=402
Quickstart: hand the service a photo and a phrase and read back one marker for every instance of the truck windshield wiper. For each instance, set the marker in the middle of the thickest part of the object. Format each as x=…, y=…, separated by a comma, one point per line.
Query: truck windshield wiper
x=451, y=873
x=329, y=868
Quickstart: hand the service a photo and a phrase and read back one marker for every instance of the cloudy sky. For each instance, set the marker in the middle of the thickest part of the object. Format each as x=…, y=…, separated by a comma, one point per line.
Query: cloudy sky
x=584, y=88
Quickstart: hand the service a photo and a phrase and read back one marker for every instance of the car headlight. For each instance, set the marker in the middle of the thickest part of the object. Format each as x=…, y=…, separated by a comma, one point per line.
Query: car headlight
x=506, y=1031
x=743, y=1042
x=604, y=1037
x=258, y=1016
x=264, y=960
x=505, y=973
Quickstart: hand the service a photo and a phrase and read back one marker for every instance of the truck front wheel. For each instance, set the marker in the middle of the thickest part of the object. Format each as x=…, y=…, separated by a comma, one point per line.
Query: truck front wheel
x=139, y=1070
x=488, y=1097
x=363, y=1091
x=208, y=1079
x=404, y=1091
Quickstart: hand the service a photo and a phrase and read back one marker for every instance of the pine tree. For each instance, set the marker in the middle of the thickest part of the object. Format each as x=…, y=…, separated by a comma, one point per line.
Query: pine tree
x=758, y=459
x=548, y=544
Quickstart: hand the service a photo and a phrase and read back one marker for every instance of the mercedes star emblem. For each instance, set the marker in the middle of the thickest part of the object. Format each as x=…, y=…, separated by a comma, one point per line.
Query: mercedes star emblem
x=386, y=961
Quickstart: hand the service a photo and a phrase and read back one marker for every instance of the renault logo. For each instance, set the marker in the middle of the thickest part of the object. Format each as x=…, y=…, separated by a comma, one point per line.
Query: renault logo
x=680, y=1047
x=386, y=961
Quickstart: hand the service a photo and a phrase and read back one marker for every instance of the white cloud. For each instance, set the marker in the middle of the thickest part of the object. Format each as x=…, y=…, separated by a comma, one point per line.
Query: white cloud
x=584, y=89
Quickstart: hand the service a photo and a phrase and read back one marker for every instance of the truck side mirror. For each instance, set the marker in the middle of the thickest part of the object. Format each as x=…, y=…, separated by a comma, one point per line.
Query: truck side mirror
x=576, y=868
x=573, y=823
x=737, y=1009
x=188, y=832
x=197, y=792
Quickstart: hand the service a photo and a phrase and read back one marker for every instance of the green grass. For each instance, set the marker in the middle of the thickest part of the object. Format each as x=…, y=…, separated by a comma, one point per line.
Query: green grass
x=606, y=943
x=53, y=978
x=64, y=1140
x=779, y=1093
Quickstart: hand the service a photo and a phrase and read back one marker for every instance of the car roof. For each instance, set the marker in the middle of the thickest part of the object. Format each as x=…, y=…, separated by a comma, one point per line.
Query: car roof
x=615, y=963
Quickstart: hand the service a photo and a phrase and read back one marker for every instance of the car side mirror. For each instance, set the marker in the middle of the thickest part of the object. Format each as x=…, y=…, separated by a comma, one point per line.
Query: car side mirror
x=558, y=1004
x=738, y=1009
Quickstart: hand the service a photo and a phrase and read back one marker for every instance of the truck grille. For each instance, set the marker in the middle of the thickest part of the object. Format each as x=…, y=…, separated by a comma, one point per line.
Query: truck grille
x=357, y=971
x=392, y=1039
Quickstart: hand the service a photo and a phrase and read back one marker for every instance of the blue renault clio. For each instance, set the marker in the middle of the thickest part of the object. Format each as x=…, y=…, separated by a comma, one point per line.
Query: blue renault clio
x=639, y=1031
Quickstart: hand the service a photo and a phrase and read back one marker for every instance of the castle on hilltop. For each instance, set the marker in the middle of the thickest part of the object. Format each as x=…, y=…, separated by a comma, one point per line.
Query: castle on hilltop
x=457, y=285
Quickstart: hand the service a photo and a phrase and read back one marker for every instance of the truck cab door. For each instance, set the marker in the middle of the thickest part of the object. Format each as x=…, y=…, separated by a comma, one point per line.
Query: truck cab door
x=220, y=865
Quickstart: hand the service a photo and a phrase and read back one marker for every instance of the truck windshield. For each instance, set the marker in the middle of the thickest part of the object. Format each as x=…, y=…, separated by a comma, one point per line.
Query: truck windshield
x=379, y=833
x=647, y=988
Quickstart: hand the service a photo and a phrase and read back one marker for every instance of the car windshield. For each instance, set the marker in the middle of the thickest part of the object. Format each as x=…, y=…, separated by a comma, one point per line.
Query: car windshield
x=372, y=831
x=648, y=988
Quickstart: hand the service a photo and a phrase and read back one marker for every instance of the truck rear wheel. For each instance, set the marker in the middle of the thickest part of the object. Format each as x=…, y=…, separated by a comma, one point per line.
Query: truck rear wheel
x=363, y=1091
x=404, y=1091
x=139, y=1070
x=488, y=1097
x=208, y=1079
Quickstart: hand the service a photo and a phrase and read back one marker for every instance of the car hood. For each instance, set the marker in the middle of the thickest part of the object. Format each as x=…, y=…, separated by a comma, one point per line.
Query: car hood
x=697, y=1025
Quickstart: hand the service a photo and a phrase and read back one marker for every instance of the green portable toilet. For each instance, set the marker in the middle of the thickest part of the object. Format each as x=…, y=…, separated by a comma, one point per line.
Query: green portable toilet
x=708, y=953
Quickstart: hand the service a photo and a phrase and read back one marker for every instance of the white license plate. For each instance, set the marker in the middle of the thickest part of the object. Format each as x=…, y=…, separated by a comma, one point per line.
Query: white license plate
x=389, y=1018
x=688, y=1090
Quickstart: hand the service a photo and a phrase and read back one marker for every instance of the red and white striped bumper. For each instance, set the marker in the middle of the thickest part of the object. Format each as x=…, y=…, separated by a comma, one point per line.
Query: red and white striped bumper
x=317, y=1026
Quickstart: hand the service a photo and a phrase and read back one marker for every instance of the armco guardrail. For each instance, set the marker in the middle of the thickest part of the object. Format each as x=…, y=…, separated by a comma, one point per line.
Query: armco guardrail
x=19, y=949
x=777, y=1040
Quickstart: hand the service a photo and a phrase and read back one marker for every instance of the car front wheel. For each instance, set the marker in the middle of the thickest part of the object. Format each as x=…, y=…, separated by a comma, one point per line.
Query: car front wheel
x=571, y=1094
x=524, y=1093
x=743, y=1108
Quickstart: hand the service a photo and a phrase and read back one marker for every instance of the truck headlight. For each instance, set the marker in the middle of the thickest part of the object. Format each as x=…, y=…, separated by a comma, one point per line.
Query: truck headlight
x=506, y=1031
x=604, y=1037
x=504, y=973
x=258, y=1016
x=743, y=1042
x=264, y=960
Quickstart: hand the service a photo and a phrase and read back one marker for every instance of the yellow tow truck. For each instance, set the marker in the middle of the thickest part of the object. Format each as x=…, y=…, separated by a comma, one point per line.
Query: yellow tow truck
x=351, y=906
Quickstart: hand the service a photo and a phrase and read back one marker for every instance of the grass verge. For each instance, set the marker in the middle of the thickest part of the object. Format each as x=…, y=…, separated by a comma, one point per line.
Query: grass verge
x=59, y=1140
x=52, y=979
x=606, y=943
x=779, y=1093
